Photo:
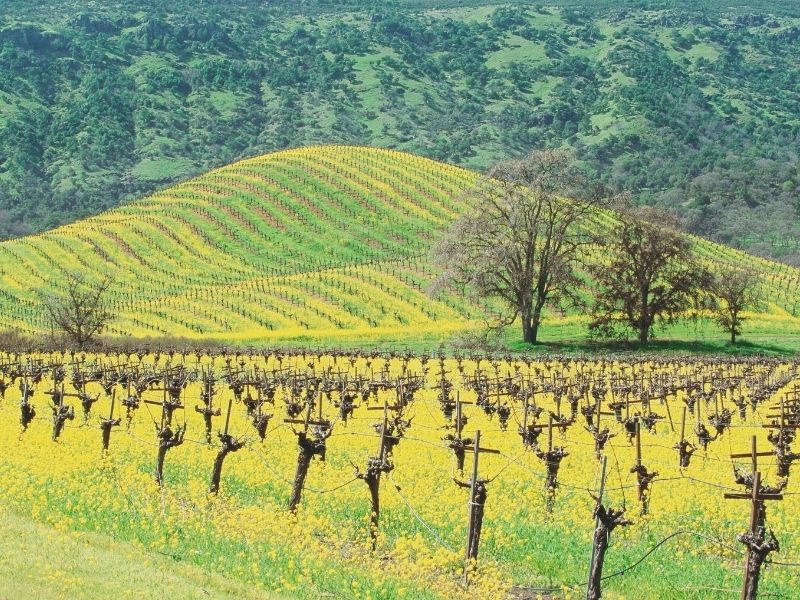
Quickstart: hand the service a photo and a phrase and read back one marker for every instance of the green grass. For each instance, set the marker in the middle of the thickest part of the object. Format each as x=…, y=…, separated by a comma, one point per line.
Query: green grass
x=39, y=562
x=687, y=336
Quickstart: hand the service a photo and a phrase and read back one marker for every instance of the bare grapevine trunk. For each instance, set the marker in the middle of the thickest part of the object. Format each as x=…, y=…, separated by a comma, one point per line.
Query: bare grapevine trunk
x=374, y=484
x=303, y=463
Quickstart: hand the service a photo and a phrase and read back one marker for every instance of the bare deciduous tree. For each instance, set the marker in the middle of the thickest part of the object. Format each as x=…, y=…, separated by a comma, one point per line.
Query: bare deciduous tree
x=735, y=290
x=79, y=311
x=519, y=237
x=648, y=275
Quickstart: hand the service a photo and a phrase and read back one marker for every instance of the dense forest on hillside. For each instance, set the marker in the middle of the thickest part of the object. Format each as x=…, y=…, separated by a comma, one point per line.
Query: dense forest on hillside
x=698, y=110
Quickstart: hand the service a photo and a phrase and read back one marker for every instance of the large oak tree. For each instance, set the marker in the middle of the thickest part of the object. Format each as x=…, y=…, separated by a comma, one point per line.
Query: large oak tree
x=518, y=239
x=646, y=274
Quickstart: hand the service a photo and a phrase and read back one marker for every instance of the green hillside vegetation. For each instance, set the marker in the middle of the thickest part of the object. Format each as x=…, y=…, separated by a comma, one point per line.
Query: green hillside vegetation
x=321, y=245
x=692, y=108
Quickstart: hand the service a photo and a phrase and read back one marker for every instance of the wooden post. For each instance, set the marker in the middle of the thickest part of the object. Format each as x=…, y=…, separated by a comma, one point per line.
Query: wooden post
x=472, y=546
x=638, y=442
x=475, y=506
x=683, y=425
x=669, y=413
x=108, y=423
x=458, y=415
x=589, y=587
x=758, y=547
x=228, y=415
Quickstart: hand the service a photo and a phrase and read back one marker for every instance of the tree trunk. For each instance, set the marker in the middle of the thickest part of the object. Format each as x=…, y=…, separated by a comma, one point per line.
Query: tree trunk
x=216, y=472
x=733, y=336
x=598, y=557
x=303, y=463
x=106, y=429
x=645, y=318
x=162, y=453
x=530, y=327
x=374, y=483
x=207, y=413
x=58, y=426
x=535, y=322
x=459, y=453
x=758, y=550
x=606, y=521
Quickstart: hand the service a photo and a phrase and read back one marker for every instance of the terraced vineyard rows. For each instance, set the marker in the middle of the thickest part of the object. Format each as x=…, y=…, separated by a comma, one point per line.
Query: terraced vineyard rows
x=314, y=242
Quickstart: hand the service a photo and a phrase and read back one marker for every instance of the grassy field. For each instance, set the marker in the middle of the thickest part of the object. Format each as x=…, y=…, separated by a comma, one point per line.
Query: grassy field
x=42, y=562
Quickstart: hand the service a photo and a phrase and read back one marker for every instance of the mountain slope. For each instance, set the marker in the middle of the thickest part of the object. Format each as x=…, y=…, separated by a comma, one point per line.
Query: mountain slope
x=694, y=109
x=315, y=243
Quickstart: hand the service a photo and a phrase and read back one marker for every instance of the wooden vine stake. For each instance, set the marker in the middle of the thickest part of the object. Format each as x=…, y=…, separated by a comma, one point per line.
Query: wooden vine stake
x=475, y=506
x=643, y=477
x=755, y=540
x=606, y=520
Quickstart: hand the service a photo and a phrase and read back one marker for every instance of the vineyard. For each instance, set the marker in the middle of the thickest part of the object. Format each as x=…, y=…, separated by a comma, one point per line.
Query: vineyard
x=323, y=243
x=393, y=475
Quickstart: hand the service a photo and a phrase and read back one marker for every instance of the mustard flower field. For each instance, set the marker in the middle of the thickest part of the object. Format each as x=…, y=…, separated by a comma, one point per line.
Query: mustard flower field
x=358, y=417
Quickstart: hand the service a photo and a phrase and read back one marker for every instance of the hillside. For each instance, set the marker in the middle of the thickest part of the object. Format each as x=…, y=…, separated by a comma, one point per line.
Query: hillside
x=323, y=243
x=298, y=241
x=691, y=109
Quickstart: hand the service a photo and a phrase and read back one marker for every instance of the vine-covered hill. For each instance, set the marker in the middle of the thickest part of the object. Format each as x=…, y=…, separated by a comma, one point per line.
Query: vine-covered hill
x=694, y=109
x=323, y=243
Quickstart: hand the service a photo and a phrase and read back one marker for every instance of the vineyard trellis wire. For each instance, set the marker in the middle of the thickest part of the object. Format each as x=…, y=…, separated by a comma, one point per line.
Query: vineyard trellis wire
x=422, y=399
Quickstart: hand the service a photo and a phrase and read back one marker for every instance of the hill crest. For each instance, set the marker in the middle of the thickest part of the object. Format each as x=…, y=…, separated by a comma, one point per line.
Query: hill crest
x=323, y=242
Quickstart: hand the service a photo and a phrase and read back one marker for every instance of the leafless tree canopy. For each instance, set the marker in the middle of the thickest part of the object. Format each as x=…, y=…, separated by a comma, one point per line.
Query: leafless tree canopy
x=79, y=310
x=519, y=237
x=648, y=275
x=735, y=290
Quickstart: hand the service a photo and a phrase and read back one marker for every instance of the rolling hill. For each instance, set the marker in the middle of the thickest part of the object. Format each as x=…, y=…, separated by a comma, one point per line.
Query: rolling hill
x=689, y=105
x=323, y=243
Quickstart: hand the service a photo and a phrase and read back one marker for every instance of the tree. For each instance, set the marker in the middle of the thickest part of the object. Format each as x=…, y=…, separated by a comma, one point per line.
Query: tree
x=735, y=290
x=650, y=275
x=80, y=311
x=519, y=237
